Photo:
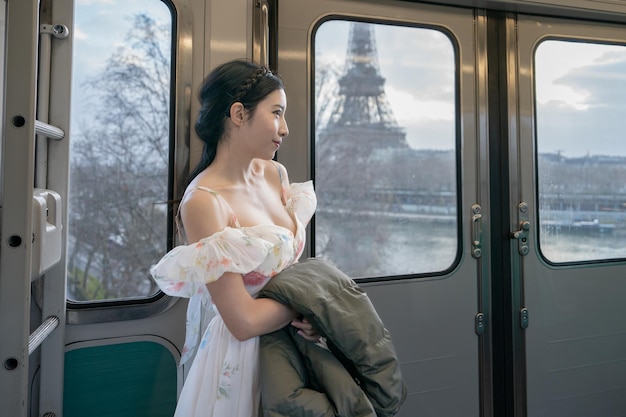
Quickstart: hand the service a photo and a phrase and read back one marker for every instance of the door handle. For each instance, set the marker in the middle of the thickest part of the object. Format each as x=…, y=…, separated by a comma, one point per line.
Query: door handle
x=522, y=232
x=476, y=230
x=524, y=229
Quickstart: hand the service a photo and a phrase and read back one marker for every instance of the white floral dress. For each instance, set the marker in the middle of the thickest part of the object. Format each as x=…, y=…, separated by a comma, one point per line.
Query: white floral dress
x=223, y=380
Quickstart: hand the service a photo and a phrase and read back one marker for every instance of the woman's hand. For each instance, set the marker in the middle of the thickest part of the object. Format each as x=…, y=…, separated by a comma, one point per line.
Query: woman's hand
x=306, y=330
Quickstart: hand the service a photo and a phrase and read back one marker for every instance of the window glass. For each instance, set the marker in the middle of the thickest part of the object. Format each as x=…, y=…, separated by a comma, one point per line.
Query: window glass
x=120, y=135
x=581, y=154
x=385, y=149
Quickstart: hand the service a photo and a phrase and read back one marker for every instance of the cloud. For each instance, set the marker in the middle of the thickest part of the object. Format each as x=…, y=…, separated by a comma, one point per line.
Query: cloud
x=589, y=118
x=79, y=34
x=417, y=60
x=409, y=109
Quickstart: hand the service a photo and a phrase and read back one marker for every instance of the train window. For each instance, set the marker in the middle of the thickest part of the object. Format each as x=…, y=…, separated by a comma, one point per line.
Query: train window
x=581, y=155
x=119, y=148
x=385, y=148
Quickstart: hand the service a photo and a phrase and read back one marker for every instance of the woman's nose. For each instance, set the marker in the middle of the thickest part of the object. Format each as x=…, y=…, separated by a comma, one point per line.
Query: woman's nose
x=284, y=130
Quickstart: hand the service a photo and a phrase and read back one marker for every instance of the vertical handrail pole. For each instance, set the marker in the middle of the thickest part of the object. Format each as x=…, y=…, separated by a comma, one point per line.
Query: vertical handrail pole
x=60, y=25
x=43, y=88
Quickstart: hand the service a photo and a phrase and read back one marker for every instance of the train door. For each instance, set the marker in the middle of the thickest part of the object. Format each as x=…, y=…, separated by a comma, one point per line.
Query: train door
x=567, y=183
x=107, y=89
x=397, y=149
x=137, y=69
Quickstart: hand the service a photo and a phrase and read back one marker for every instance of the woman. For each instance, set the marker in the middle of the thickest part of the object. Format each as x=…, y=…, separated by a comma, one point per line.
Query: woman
x=242, y=223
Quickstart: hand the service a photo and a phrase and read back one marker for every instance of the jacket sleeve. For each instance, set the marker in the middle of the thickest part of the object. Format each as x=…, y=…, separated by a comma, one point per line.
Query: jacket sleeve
x=341, y=311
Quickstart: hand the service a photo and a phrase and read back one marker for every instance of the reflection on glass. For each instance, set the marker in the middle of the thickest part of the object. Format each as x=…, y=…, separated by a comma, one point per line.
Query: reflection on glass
x=120, y=149
x=385, y=149
x=581, y=154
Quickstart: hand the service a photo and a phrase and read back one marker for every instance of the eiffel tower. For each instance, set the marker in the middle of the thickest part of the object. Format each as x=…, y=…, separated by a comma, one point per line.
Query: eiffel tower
x=362, y=118
x=360, y=155
x=357, y=149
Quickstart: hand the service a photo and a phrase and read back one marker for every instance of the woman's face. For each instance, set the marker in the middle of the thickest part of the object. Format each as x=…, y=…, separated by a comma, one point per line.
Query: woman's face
x=267, y=126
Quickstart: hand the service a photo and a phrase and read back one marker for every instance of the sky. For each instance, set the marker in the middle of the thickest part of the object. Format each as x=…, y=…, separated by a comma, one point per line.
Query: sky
x=418, y=66
x=581, y=98
x=581, y=89
x=98, y=32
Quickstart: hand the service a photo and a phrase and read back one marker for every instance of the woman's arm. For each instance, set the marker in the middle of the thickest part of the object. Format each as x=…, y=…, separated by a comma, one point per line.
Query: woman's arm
x=246, y=317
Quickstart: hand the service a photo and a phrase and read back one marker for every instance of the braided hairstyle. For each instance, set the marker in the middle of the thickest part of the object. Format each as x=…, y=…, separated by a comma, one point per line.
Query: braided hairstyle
x=235, y=81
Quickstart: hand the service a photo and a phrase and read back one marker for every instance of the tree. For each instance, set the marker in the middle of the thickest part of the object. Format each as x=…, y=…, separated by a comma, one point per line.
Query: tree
x=119, y=170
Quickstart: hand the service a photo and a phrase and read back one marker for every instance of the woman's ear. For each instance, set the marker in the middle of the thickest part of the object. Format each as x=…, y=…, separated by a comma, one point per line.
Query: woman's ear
x=238, y=113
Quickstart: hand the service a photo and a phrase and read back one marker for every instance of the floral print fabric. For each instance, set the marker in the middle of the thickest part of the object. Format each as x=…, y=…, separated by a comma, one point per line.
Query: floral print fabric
x=223, y=380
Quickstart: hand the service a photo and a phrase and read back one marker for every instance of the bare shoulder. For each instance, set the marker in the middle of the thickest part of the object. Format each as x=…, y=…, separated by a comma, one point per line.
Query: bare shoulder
x=274, y=171
x=276, y=174
x=203, y=214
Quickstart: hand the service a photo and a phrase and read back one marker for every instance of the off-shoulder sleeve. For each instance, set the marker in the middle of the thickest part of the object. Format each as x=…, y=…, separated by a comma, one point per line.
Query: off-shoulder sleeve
x=302, y=200
x=186, y=269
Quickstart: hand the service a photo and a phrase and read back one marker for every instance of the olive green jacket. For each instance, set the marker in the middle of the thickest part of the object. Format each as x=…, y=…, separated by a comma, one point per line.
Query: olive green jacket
x=358, y=375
